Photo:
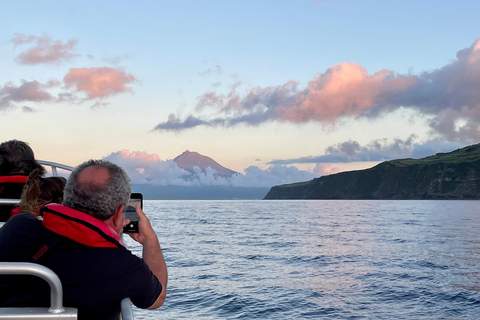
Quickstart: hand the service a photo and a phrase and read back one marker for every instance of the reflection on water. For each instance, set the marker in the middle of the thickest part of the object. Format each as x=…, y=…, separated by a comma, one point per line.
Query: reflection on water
x=318, y=259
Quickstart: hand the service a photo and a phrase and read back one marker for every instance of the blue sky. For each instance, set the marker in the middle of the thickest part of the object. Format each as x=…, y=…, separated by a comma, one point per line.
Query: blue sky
x=310, y=87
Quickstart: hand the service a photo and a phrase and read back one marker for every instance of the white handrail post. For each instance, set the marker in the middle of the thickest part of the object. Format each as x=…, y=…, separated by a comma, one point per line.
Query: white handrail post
x=126, y=309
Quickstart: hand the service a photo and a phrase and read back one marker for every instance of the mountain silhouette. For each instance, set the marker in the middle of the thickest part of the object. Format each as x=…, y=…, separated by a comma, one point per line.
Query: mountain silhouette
x=188, y=160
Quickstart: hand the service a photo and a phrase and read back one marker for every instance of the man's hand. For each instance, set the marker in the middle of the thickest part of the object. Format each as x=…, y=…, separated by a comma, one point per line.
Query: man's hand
x=145, y=229
x=152, y=253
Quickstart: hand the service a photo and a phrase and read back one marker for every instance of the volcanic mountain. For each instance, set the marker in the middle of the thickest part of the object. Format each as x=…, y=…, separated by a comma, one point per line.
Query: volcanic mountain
x=188, y=160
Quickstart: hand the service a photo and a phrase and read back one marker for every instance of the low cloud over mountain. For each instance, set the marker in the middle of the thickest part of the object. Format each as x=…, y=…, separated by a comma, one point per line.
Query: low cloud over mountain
x=144, y=168
x=376, y=150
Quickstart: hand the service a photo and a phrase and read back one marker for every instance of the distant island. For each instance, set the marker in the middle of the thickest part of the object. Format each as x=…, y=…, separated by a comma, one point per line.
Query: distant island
x=453, y=175
x=193, y=163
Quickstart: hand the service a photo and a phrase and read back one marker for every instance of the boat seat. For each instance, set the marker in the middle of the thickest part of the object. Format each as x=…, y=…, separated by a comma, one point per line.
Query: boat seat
x=56, y=310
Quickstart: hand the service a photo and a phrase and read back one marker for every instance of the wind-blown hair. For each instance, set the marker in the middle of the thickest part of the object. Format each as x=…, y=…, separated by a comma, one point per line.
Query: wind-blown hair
x=16, y=157
x=100, y=201
x=39, y=191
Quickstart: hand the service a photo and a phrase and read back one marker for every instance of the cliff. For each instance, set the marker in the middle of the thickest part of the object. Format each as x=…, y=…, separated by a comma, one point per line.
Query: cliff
x=454, y=175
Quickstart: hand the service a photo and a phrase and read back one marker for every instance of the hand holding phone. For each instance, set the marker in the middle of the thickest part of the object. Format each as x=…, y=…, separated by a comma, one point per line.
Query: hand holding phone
x=146, y=233
x=131, y=213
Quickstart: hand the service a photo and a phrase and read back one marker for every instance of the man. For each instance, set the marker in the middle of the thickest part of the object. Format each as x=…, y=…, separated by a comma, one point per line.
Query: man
x=80, y=241
x=17, y=161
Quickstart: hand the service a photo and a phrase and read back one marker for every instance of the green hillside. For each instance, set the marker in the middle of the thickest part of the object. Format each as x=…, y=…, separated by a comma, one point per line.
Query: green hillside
x=453, y=175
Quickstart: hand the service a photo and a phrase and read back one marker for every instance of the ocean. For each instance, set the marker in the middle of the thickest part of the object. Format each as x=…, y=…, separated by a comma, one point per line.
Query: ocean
x=316, y=259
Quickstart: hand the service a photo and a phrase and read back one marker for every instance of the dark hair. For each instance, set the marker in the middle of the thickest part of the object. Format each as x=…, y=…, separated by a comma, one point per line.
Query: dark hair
x=40, y=191
x=100, y=201
x=16, y=157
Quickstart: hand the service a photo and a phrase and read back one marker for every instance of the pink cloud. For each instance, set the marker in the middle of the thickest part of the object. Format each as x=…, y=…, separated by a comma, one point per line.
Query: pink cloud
x=138, y=156
x=448, y=96
x=45, y=50
x=143, y=167
x=99, y=82
x=343, y=90
x=324, y=169
x=209, y=99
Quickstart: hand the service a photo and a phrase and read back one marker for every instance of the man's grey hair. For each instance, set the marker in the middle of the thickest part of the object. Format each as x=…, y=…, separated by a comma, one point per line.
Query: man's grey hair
x=100, y=201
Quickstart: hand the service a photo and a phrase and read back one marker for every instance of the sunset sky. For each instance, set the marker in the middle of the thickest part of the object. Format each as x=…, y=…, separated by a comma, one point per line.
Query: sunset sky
x=291, y=89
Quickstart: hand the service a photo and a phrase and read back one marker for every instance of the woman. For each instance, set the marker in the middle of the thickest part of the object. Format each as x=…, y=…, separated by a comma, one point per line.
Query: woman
x=38, y=192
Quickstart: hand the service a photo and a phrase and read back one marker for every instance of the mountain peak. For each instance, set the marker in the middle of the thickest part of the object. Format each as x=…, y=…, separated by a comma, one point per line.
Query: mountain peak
x=188, y=159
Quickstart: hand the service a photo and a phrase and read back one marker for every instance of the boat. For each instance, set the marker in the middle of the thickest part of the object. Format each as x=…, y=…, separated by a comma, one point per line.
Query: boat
x=56, y=309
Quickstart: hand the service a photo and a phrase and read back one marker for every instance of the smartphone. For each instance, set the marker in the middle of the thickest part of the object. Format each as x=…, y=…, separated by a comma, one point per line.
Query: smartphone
x=131, y=213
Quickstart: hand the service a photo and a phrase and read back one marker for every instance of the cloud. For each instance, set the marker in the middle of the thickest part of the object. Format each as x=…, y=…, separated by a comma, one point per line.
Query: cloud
x=376, y=150
x=175, y=123
x=274, y=175
x=27, y=109
x=325, y=169
x=116, y=60
x=99, y=82
x=434, y=146
x=98, y=105
x=344, y=90
x=149, y=168
x=32, y=91
x=215, y=70
x=352, y=151
x=142, y=167
x=45, y=50
x=79, y=85
x=449, y=96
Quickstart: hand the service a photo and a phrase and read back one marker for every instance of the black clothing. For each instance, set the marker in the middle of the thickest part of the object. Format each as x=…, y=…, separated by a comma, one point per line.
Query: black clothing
x=10, y=190
x=94, y=280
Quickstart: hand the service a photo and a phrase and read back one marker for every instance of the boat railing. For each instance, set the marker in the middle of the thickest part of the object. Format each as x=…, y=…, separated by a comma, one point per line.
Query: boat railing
x=55, y=165
x=126, y=310
x=9, y=201
x=56, y=310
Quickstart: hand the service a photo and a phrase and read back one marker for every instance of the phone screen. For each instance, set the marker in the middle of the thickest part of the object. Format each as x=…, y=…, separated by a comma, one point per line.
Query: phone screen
x=131, y=213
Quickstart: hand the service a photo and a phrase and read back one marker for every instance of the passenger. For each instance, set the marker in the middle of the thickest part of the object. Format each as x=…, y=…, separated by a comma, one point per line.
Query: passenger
x=80, y=241
x=17, y=161
x=38, y=192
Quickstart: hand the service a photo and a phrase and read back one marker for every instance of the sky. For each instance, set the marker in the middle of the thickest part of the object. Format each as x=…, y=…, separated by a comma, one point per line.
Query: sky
x=279, y=91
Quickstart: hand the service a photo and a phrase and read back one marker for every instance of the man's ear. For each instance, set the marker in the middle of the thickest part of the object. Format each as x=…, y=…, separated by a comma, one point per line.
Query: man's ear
x=118, y=218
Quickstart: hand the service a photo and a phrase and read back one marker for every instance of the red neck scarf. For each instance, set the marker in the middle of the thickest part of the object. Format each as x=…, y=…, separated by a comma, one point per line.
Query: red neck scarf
x=79, y=227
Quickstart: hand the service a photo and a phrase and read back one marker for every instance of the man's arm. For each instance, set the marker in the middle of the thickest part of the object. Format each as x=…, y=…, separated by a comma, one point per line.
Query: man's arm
x=152, y=254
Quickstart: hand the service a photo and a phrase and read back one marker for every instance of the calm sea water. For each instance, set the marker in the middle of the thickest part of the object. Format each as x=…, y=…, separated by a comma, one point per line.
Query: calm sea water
x=318, y=259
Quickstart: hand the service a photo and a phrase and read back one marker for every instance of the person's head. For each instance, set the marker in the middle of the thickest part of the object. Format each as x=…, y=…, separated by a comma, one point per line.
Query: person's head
x=39, y=191
x=97, y=187
x=16, y=157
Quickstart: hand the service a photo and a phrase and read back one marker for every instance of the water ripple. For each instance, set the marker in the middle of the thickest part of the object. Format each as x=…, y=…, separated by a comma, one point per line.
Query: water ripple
x=318, y=259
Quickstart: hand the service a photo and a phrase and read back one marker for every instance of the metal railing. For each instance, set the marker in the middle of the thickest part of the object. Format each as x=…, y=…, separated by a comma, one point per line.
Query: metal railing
x=55, y=165
x=126, y=310
x=56, y=310
x=9, y=201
